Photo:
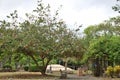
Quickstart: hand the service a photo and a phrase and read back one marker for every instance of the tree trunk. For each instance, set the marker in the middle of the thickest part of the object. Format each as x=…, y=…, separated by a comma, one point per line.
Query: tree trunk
x=1, y=64
x=10, y=60
x=66, y=68
x=97, y=68
x=16, y=65
x=43, y=69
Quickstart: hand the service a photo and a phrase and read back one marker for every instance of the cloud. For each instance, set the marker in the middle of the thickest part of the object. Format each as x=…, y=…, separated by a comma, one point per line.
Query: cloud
x=12, y=4
x=86, y=12
x=8, y=6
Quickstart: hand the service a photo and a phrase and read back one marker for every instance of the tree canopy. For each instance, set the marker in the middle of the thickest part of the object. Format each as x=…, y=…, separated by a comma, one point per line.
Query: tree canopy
x=41, y=37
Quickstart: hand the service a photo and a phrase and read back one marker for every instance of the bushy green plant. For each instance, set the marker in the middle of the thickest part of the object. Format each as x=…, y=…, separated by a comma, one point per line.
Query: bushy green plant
x=34, y=69
x=7, y=67
x=26, y=68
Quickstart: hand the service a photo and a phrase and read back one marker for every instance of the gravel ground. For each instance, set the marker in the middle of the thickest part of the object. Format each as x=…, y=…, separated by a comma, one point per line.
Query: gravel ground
x=76, y=77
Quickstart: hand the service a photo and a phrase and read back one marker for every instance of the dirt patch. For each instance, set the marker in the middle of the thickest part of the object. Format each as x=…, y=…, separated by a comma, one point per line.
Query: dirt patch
x=25, y=75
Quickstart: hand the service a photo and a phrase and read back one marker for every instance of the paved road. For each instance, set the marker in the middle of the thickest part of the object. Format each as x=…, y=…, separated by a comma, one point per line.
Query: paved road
x=76, y=77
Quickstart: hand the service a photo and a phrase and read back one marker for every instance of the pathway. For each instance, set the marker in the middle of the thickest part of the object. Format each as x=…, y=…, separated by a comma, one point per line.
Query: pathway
x=76, y=77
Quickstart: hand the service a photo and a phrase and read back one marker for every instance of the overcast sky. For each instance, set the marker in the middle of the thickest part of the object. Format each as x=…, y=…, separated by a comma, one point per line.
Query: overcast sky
x=86, y=12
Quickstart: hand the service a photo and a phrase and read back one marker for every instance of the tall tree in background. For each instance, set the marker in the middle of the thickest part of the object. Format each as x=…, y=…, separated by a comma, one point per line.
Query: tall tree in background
x=101, y=40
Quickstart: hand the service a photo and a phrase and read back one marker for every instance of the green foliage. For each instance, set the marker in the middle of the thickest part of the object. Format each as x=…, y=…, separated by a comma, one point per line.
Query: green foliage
x=35, y=68
x=7, y=67
x=104, y=46
x=103, y=40
x=45, y=37
x=53, y=61
x=26, y=68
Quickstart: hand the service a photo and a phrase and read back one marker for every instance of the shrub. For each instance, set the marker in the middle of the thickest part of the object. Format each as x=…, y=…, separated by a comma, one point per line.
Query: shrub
x=34, y=69
x=26, y=68
x=110, y=71
x=117, y=69
x=7, y=68
x=113, y=71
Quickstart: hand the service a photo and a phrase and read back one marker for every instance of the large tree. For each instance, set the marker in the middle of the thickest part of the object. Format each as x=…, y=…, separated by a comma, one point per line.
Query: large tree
x=100, y=42
x=41, y=37
x=45, y=36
